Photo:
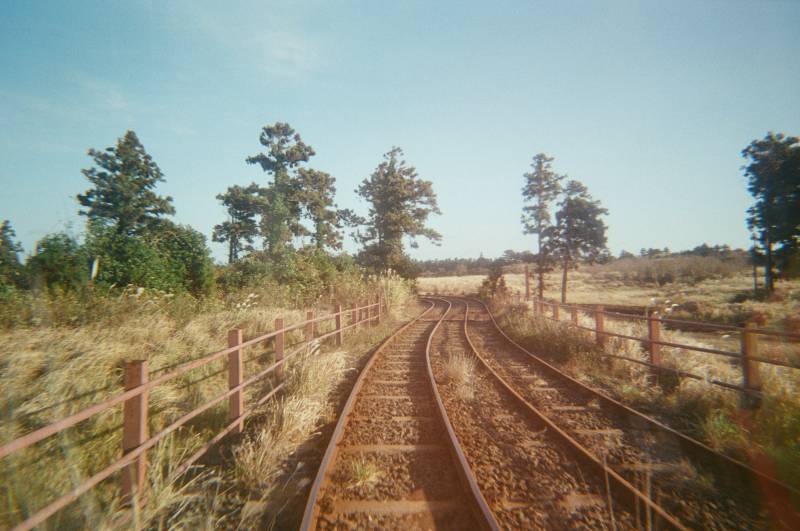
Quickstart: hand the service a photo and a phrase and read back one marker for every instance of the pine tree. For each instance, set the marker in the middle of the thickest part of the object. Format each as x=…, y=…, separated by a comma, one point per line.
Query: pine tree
x=242, y=204
x=773, y=179
x=317, y=191
x=122, y=195
x=10, y=266
x=280, y=200
x=542, y=186
x=578, y=234
x=400, y=204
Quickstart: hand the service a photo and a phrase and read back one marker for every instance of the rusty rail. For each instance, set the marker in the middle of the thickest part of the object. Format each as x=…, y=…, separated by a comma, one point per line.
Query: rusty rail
x=778, y=493
x=135, y=404
x=467, y=476
x=485, y=516
x=572, y=443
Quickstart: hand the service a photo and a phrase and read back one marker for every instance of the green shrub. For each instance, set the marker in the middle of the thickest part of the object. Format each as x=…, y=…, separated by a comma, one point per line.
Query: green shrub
x=60, y=263
x=173, y=258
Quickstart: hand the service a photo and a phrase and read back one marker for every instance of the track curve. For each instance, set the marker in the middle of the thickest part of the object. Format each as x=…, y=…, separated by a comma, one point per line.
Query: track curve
x=529, y=478
x=644, y=457
x=392, y=462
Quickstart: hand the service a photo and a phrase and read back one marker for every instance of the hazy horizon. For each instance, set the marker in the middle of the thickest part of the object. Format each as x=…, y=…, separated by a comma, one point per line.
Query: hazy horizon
x=648, y=104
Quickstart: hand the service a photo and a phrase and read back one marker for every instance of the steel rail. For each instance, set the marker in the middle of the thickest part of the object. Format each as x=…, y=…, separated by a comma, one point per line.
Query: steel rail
x=467, y=476
x=775, y=488
x=311, y=511
x=571, y=442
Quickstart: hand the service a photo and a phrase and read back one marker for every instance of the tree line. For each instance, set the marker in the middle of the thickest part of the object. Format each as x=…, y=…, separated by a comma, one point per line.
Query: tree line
x=131, y=240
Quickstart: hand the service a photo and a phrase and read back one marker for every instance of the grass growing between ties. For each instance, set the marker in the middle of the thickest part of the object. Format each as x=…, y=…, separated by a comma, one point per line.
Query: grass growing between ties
x=460, y=370
x=707, y=412
x=363, y=473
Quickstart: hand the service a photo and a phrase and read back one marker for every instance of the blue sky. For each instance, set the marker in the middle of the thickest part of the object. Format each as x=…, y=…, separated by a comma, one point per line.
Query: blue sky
x=648, y=103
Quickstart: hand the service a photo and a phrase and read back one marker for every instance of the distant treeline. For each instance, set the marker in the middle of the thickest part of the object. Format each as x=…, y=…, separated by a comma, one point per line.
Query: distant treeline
x=513, y=261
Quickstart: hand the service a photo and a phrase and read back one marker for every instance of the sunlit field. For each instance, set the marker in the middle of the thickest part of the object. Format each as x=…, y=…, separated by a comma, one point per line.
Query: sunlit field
x=721, y=300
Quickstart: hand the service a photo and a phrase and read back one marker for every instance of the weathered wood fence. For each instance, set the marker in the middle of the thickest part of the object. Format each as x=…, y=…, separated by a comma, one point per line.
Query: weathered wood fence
x=748, y=355
x=136, y=440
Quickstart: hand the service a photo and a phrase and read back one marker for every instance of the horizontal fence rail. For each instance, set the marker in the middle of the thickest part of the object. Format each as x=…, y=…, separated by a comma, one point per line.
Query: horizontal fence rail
x=748, y=356
x=134, y=400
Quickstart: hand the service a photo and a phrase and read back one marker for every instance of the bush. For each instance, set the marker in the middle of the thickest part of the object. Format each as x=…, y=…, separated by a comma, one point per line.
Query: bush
x=173, y=258
x=60, y=263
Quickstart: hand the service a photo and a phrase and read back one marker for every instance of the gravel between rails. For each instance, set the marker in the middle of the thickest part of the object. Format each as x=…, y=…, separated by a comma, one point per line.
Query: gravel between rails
x=528, y=479
x=650, y=459
x=392, y=467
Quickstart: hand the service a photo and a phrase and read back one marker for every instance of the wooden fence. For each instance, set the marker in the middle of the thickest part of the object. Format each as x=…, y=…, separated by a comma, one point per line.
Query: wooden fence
x=137, y=385
x=748, y=355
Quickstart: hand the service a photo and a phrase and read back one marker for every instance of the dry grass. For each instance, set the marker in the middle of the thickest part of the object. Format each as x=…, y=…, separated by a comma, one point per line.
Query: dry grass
x=363, y=473
x=48, y=372
x=718, y=299
x=706, y=411
x=460, y=370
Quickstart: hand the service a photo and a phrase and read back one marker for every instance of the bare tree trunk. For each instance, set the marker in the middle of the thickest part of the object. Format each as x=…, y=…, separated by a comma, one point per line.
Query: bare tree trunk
x=768, y=281
x=564, y=282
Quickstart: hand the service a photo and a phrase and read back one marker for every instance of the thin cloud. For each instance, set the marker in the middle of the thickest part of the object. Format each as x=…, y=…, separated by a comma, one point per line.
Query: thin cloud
x=103, y=95
x=266, y=38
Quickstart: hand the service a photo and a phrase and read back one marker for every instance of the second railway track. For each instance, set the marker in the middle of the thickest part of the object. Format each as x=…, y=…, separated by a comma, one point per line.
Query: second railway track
x=669, y=479
x=529, y=478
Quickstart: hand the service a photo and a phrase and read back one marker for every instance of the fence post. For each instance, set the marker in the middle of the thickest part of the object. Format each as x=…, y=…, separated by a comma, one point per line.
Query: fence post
x=598, y=326
x=353, y=319
x=235, y=378
x=750, y=368
x=339, y=333
x=279, y=337
x=574, y=311
x=362, y=317
x=134, y=429
x=555, y=311
x=527, y=283
x=654, y=334
x=379, y=300
x=309, y=326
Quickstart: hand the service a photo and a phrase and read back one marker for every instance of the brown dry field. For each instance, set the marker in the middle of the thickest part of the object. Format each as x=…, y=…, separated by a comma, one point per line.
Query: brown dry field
x=712, y=298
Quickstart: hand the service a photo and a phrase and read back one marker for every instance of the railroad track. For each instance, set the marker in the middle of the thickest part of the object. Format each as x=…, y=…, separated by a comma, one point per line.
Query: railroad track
x=393, y=461
x=664, y=478
x=528, y=476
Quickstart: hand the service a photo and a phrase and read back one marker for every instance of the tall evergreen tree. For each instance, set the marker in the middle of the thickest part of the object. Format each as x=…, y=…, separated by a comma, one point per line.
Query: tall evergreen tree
x=281, y=207
x=541, y=187
x=10, y=266
x=579, y=233
x=773, y=179
x=317, y=191
x=400, y=204
x=122, y=195
x=242, y=204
